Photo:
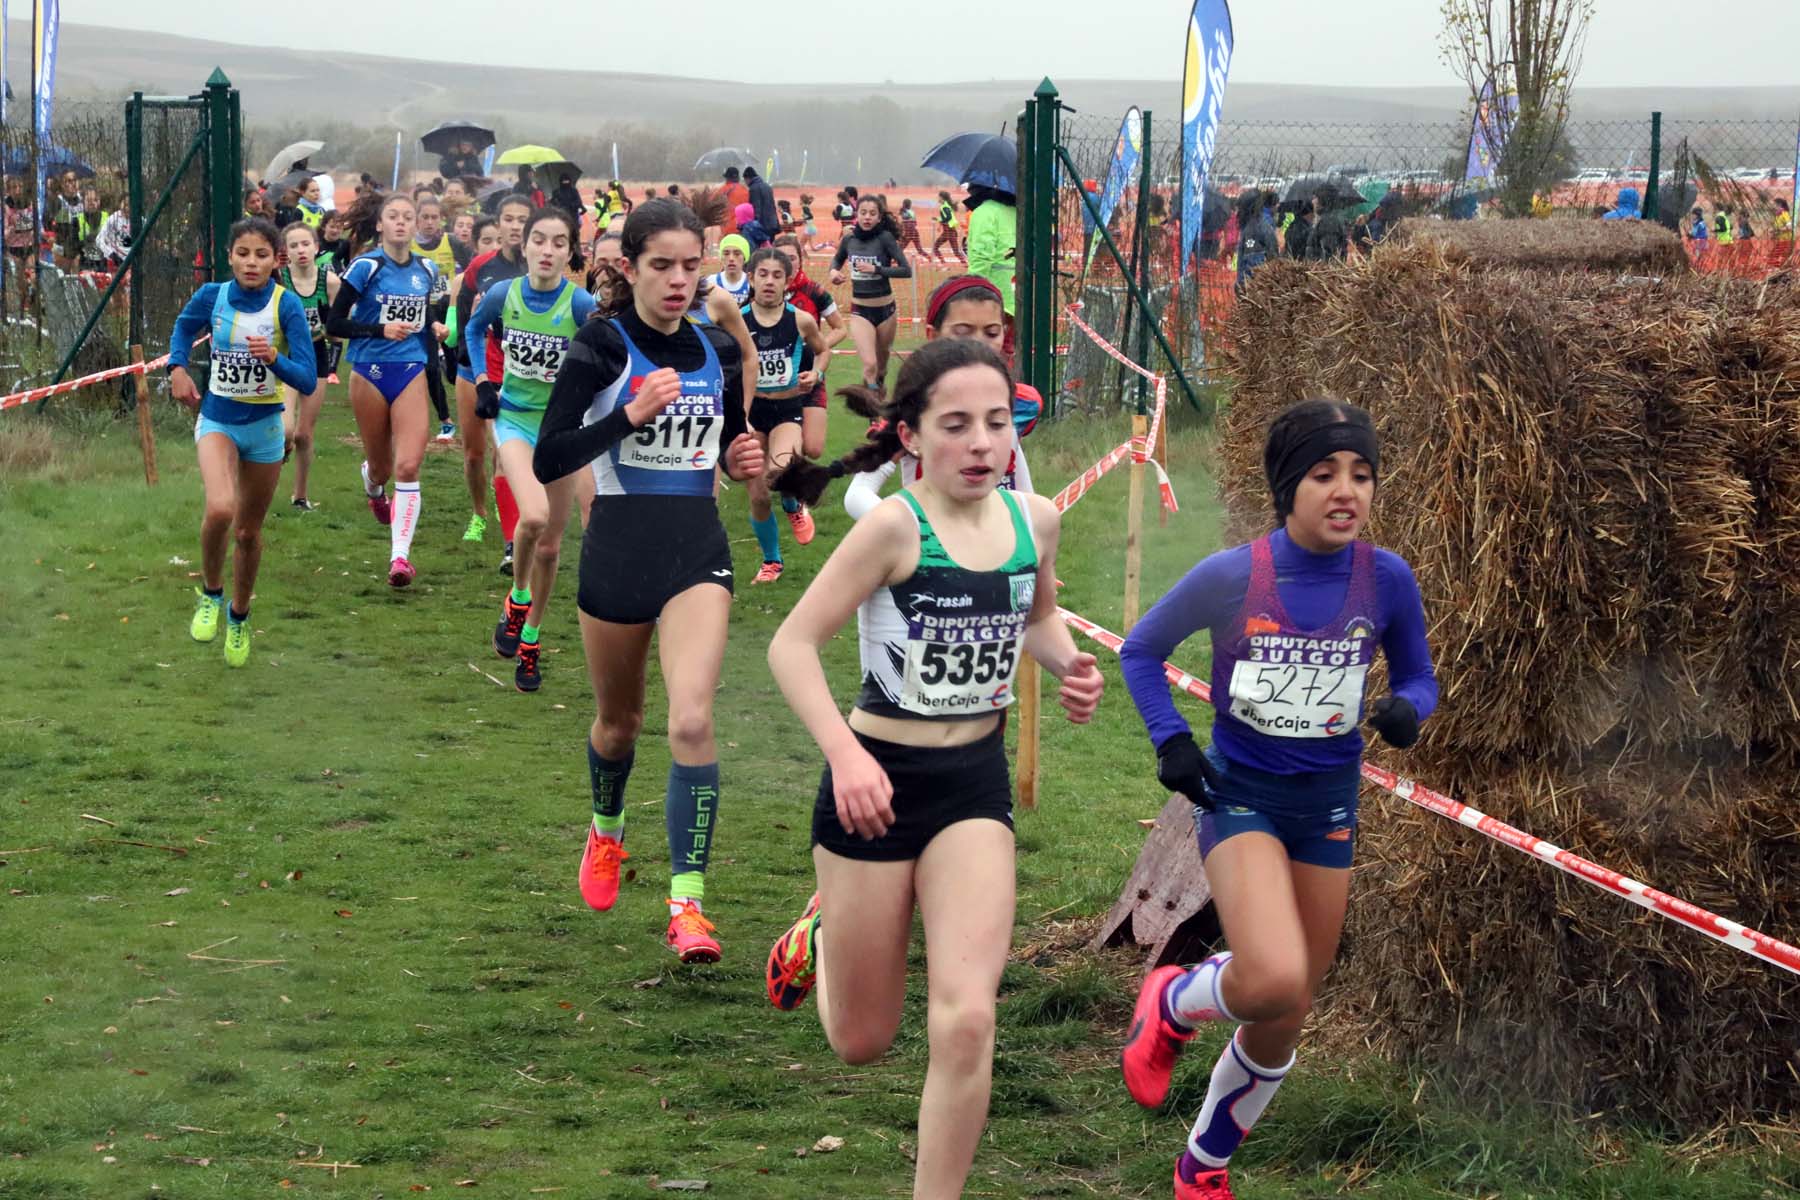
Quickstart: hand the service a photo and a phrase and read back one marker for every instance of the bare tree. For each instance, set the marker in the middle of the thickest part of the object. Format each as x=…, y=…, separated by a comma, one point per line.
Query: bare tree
x=1530, y=51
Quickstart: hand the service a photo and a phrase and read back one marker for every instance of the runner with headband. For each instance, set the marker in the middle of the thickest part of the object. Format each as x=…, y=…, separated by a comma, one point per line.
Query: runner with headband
x=651, y=401
x=1295, y=619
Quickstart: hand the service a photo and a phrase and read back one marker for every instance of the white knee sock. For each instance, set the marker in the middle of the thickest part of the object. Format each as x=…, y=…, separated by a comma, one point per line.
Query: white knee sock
x=1239, y=1092
x=1195, y=998
x=406, y=517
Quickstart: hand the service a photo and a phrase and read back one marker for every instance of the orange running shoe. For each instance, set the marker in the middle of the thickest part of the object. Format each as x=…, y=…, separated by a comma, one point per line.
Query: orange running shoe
x=1153, y=1044
x=1208, y=1185
x=690, y=934
x=771, y=571
x=802, y=523
x=600, y=870
x=793, y=960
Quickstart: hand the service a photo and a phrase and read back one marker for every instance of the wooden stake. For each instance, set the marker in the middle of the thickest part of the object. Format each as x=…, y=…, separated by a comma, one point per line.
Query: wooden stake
x=1030, y=687
x=1134, y=527
x=146, y=434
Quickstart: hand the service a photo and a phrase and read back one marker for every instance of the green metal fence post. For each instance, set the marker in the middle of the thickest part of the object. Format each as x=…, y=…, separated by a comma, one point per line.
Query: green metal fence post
x=1024, y=278
x=225, y=169
x=1650, y=210
x=134, y=184
x=1140, y=255
x=1039, y=371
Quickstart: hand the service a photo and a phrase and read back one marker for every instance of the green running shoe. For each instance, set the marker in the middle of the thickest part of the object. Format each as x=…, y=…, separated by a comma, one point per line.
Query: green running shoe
x=237, y=642
x=477, y=528
x=205, y=625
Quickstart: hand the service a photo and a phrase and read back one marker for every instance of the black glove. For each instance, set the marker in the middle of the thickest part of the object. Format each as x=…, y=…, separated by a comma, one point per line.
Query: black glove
x=1181, y=767
x=1396, y=720
x=487, y=400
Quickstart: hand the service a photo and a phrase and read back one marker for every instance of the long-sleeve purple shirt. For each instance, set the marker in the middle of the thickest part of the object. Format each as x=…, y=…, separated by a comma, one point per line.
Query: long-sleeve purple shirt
x=1312, y=589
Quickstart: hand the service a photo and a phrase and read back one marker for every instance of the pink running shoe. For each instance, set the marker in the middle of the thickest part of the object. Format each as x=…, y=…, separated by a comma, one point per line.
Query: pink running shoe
x=383, y=510
x=1208, y=1185
x=400, y=573
x=1153, y=1044
x=690, y=934
x=600, y=870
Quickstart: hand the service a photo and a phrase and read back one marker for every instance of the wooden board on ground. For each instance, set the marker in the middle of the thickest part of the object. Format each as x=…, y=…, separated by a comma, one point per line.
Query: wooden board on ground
x=1166, y=904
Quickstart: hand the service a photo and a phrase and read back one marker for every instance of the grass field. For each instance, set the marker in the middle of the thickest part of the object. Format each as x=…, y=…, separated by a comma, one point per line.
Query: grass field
x=312, y=925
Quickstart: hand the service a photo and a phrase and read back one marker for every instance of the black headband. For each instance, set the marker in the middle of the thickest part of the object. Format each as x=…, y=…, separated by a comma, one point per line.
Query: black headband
x=1317, y=444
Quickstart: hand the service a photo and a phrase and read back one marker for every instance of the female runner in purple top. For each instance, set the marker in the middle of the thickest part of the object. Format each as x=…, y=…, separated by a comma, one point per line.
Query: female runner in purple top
x=1295, y=619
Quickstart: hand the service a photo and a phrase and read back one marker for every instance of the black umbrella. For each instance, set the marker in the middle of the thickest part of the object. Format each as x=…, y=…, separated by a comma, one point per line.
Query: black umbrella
x=1343, y=193
x=1215, y=212
x=293, y=179
x=452, y=134
x=988, y=159
x=714, y=161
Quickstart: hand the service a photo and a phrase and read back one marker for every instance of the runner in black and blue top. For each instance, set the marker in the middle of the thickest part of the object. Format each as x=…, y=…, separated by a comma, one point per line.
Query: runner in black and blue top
x=1295, y=618
x=381, y=307
x=786, y=341
x=259, y=343
x=315, y=288
x=651, y=401
x=534, y=318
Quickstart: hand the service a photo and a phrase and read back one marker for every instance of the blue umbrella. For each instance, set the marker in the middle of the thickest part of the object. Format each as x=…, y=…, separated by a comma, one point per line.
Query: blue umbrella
x=981, y=159
x=52, y=158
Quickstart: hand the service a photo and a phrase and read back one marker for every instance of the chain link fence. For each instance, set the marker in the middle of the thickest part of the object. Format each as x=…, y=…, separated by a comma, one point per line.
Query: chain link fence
x=1738, y=174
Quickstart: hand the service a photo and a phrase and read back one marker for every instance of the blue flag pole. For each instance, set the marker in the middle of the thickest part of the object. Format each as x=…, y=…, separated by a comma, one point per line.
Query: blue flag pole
x=396, y=184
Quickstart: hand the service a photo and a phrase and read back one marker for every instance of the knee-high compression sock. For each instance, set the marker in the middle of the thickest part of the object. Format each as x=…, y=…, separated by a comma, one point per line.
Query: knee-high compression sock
x=407, y=504
x=690, y=812
x=506, y=506
x=789, y=504
x=607, y=777
x=1239, y=1092
x=768, y=537
x=1195, y=998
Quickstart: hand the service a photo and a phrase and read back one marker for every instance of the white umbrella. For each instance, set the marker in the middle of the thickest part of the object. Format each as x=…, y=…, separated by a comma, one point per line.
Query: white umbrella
x=284, y=161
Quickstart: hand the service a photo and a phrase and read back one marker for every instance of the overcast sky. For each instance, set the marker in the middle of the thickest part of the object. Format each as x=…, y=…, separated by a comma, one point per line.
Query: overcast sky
x=1634, y=43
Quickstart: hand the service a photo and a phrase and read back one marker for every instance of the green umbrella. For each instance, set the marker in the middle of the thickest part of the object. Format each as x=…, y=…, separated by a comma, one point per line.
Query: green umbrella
x=548, y=162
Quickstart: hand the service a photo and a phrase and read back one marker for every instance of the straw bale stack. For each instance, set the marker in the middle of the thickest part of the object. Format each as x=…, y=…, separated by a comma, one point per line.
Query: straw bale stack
x=1629, y=247
x=1596, y=480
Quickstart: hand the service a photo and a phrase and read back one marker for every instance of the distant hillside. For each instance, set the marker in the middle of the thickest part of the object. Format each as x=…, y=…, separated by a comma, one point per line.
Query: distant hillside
x=658, y=119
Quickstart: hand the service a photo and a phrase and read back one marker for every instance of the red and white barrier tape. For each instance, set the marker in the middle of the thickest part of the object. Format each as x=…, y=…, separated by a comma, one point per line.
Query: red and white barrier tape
x=1065, y=499
x=18, y=399
x=1738, y=937
x=1112, y=351
x=1147, y=448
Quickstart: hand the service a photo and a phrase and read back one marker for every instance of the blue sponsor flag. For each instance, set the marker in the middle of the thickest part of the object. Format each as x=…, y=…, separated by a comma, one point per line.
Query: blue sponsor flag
x=615, y=173
x=1128, y=153
x=1487, y=135
x=487, y=161
x=396, y=182
x=1208, y=66
x=46, y=27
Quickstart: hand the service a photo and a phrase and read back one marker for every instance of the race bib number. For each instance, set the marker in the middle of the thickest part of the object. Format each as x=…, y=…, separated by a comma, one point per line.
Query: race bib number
x=862, y=266
x=958, y=665
x=239, y=375
x=533, y=356
x=440, y=288
x=406, y=310
x=775, y=369
x=1295, y=700
x=315, y=323
x=683, y=437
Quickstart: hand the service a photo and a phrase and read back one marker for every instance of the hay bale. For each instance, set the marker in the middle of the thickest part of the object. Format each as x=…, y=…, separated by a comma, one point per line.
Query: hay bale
x=1525, y=981
x=1596, y=481
x=1618, y=247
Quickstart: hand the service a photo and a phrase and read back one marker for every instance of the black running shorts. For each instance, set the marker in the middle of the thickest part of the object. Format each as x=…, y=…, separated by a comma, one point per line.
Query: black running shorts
x=934, y=788
x=765, y=415
x=640, y=552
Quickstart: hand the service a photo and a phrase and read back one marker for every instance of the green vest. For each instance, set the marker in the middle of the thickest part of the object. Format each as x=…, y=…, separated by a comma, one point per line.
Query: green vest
x=1722, y=230
x=314, y=304
x=534, y=346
